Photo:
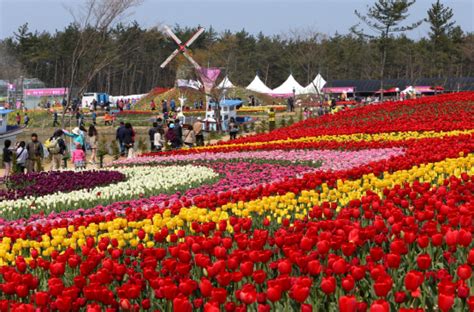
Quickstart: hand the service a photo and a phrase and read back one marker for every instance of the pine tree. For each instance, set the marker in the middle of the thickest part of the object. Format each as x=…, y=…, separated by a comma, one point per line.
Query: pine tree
x=384, y=18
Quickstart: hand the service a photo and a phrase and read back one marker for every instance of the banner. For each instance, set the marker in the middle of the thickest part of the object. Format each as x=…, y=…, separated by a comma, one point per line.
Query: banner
x=45, y=92
x=339, y=90
x=208, y=77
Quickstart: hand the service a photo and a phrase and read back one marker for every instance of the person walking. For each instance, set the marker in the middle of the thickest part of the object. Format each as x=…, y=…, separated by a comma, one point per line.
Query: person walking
x=18, y=119
x=21, y=157
x=79, y=157
x=151, y=135
x=189, y=138
x=55, y=119
x=171, y=136
x=178, y=129
x=129, y=140
x=7, y=159
x=56, y=147
x=92, y=138
x=94, y=117
x=233, y=128
x=197, y=127
x=35, y=154
x=26, y=120
x=159, y=139
x=120, y=136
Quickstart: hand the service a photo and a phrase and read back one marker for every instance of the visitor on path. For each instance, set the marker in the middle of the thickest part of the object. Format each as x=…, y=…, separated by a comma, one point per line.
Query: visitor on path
x=151, y=135
x=7, y=159
x=55, y=119
x=18, y=119
x=35, y=154
x=120, y=136
x=76, y=135
x=21, y=156
x=171, y=137
x=129, y=140
x=271, y=119
x=93, y=140
x=164, y=106
x=197, y=127
x=189, y=137
x=152, y=105
x=173, y=105
x=94, y=117
x=178, y=130
x=159, y=139
x=233, y=128
x=79, y=157
x=56, y=147
x=26, y=120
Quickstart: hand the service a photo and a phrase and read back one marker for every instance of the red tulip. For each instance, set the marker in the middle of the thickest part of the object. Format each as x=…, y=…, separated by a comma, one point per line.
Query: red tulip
x=347, y=304
x=464, y=271
x=413, y=280
x=445, y=302
x=423, y=261
x=380, y=306
x=299, y=293
x=328, y=285
x=274, y=293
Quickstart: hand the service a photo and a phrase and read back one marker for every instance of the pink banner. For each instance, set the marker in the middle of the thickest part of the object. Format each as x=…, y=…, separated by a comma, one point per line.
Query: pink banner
x=208, y=77
x=46, y=92
x=424, y=89
x=339, y=90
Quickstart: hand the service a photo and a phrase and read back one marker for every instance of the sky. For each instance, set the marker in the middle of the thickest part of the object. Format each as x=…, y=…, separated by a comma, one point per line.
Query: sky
x=279, y=17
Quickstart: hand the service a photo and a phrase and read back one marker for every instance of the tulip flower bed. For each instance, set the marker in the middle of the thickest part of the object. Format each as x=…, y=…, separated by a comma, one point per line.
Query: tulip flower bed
x=369, y=209
x=137, y=184
x=44, y=183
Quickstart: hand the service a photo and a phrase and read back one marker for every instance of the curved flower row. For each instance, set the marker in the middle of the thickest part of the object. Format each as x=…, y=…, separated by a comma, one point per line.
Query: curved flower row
x=43, y=183
x=331, y=160
x=141, y=181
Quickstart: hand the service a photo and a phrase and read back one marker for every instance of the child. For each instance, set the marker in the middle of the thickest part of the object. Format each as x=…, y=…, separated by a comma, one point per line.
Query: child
x=7, y=159
x=79, y=157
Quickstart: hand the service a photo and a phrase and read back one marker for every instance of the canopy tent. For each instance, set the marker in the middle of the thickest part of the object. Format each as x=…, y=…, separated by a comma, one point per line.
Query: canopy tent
x=316, y=86
x=225, y=84
x=257, y=85
x=288, y=87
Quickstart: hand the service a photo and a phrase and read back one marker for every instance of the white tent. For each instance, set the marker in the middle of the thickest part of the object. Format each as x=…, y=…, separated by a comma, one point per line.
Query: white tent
x=315, y=86
x=225, y=84
x=257, y=85
x=287, y=87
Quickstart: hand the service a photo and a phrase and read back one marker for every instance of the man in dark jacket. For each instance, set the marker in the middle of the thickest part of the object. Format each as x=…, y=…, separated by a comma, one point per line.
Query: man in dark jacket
x=151, y=134
x=178, y=130
x=120, y=136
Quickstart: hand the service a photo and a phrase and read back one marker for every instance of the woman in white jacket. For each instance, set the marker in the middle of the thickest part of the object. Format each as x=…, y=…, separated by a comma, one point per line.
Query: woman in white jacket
x=159, y=139
x=21, y=156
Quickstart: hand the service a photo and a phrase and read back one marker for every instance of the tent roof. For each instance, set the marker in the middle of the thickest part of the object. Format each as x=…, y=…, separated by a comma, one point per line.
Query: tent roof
x=288, y=86
x=315, y=86
x=257, y=85
x=225, y=83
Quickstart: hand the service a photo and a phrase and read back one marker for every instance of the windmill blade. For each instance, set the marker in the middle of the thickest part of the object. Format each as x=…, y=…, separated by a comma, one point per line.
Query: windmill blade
x=194, y=37
x=171, y=34
x=191, y=60
x=176, y=52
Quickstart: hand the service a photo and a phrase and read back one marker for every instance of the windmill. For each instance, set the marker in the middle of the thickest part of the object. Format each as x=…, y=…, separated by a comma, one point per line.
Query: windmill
x=182, y=48
x=208, y=75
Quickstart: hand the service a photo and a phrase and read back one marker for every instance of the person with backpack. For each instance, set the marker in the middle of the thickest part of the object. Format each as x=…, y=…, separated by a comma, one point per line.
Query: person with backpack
x=35, y=154
x=21, y=157
x=56, y=147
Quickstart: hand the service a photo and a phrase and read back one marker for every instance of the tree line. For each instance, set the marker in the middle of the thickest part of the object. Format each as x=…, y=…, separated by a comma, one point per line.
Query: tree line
x=134, y=54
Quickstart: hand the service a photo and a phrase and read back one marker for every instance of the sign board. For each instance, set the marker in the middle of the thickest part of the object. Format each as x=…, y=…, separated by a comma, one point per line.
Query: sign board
x=45, y=92
x=339, y=90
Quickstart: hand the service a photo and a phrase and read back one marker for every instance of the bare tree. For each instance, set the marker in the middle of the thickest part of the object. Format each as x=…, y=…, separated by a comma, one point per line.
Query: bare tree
x=92, y=53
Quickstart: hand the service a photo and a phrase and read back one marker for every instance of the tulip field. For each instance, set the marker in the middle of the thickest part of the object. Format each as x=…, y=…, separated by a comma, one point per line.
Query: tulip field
x=369, y=209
